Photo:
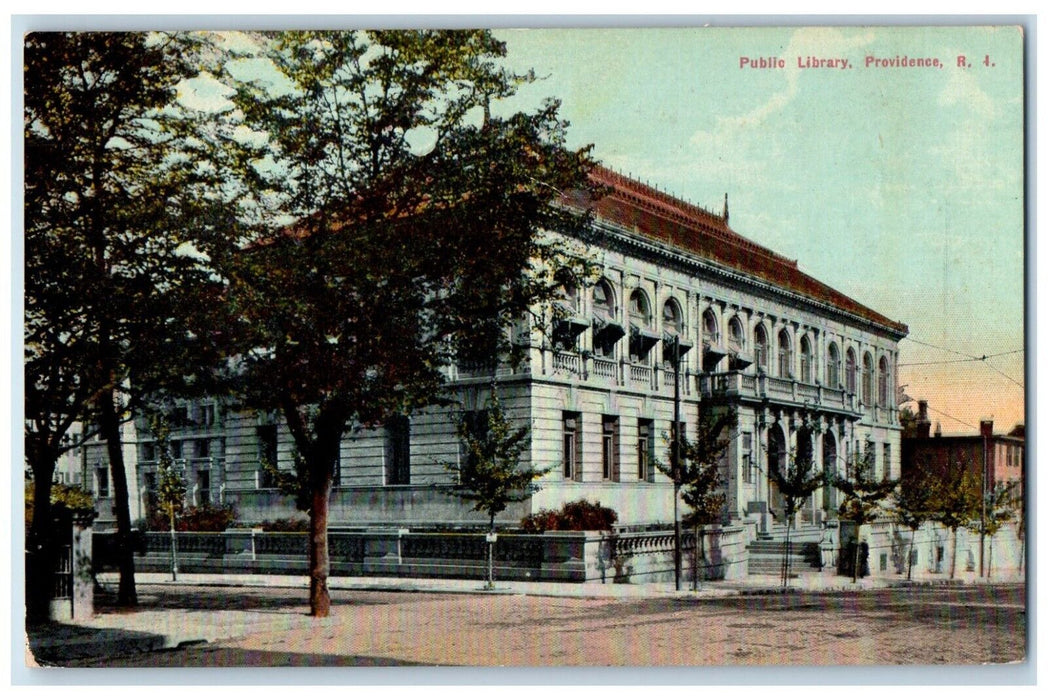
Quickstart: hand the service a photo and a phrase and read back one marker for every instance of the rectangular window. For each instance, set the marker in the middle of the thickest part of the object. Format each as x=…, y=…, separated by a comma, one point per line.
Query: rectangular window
x=148, y=451
x=398, y=451
x=267, y=454
x=887, y=459
x=645, y=449
x=203, y=448
x=747, y=457
x=207, y=414
x=572, y=441
x=102, y=481
x=610, y=448
x=176, y=449
x=203, y=488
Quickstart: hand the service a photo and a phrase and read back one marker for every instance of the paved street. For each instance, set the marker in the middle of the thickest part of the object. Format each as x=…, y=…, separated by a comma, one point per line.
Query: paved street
x=268, y=626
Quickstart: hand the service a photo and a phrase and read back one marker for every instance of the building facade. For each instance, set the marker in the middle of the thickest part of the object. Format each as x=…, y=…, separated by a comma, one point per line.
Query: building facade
x=999, y=458
x=809, y=371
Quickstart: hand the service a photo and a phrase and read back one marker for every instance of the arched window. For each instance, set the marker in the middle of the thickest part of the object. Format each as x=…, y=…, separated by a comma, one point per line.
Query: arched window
x=671, y=318
x=849, y=371
x=785, y=355
x=806, y=360
x=640, y=310
x=833, y=367
x=882, y=383
x=867, y=379
x=569, y=296
x=642, y=338
x=710, y=332
x=760, y=347
x=606, y=328
x=736, y=337
x=604, y=299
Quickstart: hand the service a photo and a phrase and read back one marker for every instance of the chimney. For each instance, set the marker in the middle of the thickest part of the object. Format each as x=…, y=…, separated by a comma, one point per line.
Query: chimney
x=986, y=427
x=938, y=429
x=924, y=426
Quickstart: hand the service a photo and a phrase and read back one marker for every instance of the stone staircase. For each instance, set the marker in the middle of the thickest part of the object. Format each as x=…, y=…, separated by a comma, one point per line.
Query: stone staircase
x=766, y=552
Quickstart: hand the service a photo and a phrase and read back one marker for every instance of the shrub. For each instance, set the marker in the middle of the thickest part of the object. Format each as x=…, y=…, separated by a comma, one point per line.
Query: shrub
x=205, y=518
x=577, y=515
x=284, y=525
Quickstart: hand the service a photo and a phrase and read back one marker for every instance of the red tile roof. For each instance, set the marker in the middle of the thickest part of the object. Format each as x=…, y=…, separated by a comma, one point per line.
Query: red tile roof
x=645, y=210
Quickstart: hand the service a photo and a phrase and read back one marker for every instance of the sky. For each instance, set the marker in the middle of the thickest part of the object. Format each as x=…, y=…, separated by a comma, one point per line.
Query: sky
x=902, y=187
x=899, y=186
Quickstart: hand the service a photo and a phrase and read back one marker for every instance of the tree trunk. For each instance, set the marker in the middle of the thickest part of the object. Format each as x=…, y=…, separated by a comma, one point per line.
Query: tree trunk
x=909, y=557
x=953, y=560
x=40, y=546
x=989, y=561
x=319, y=562
x=109, y=427
x=174, y=547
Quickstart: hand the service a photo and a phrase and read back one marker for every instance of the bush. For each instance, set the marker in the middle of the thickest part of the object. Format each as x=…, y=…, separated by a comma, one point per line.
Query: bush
x=284, y=525
x=577, y=515
x=79, y=502
x=206, y=518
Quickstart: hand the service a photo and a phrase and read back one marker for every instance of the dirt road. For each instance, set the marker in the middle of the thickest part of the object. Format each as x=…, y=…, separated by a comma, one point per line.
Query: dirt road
x=939, y=625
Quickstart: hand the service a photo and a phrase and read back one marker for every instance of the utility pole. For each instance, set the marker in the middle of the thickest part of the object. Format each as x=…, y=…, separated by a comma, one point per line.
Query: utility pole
x=676, y=460
x=982, y=516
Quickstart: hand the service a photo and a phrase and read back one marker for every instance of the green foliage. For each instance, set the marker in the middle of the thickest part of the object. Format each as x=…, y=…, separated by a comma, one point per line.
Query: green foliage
x=955, y=496
x=171, y=484
x=77, y=500
x=291, y=483
x=700, y=470
x=1000, y=509
x=116, y=201
x=865, y=495
x=397, y=226
x=913, y=503
x=576, y=515
x=490, y=473
x=796, y=480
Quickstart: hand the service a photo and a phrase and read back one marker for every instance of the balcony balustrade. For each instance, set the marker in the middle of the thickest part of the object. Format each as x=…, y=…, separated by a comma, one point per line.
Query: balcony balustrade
x=777, y=389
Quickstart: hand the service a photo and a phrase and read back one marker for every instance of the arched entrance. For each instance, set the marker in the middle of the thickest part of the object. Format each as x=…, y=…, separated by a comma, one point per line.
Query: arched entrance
x=776, y=462
x=805, y=460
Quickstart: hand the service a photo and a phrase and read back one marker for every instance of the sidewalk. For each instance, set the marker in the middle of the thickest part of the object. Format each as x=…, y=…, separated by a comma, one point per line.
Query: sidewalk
x=151, y=629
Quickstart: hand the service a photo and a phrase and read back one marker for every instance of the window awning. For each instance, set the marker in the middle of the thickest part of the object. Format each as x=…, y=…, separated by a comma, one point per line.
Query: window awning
x=712, y=354
x=607, y=329
x=641, y=340
x=667, y=347
x=740, y=360
x=571, y=326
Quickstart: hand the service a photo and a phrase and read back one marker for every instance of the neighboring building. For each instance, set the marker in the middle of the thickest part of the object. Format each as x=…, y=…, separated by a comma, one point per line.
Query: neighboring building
x=809, y=370
x=1000, y=457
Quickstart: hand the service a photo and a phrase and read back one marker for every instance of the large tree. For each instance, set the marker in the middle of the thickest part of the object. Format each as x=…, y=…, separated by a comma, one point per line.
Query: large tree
x=912, y=502
x=407, y=229
x=699, y=472
x=956, y=500
x=796, y=478
x=490, y=472
x=117, y=209
x=865, y=495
